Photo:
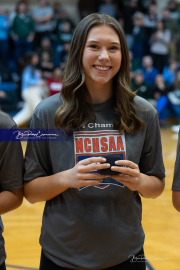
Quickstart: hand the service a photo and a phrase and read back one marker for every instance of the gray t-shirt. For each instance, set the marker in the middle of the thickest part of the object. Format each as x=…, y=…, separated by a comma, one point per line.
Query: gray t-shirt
x=11, y=168
x=98, y=226
x=176, y=179
x=41, y=12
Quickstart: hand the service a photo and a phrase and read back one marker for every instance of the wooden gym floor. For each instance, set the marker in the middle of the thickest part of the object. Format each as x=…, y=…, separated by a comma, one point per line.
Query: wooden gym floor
x=161, y=224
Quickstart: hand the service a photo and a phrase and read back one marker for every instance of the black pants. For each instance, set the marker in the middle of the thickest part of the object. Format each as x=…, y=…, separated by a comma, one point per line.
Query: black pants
x=3, y=267
x=46, y=264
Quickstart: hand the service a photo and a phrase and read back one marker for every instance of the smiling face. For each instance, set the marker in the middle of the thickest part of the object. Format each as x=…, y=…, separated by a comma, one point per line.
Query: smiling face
x=101, y=56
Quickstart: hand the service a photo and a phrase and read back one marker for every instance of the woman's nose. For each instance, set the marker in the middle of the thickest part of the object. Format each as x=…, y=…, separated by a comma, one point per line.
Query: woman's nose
x=104, y=55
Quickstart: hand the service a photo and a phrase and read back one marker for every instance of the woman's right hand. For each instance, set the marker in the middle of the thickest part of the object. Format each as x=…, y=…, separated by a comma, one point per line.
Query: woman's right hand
x=46, y=188
x=80, y=176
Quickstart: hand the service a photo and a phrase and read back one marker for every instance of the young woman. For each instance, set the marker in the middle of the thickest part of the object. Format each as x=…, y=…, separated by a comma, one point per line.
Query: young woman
x=11, y=175
x=31, y=88
x=93, y=220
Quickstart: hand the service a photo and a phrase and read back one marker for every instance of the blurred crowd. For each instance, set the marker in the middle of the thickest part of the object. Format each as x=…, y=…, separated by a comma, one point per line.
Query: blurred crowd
x=34, y=46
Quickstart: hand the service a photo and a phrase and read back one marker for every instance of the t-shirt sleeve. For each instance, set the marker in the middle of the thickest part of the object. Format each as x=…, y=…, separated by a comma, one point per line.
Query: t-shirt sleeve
x=11, y=165
x=37, y=157
x=151, y=162
x=176, y=179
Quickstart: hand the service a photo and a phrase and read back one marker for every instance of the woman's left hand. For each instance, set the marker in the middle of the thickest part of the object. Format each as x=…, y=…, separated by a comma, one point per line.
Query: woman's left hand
x=129, y=176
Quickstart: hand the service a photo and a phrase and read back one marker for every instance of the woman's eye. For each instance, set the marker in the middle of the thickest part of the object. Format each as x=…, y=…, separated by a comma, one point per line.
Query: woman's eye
x=94, y=46
x=113, y=48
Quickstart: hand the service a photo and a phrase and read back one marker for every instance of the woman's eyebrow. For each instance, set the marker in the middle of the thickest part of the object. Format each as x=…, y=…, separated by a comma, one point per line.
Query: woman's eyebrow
x=113, y=42
x=91, y=40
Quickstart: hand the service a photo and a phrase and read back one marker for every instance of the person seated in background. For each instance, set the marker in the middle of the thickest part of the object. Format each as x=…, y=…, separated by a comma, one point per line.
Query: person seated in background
x=150, y=20
x=46, y=65
x=174, y=98
x=159, y=45
x=42, y=16
x=46, y=46
x=138, y=33
x=62, y=18
x=134, y=65
x=6, y=101
x=149, y=70
x=169, y=72
x=56, y=11
x=120, y=20
x=4, y=98
x=22, y=31
x=8, y=89
x=108, y=7
x=139, y=85
x=6, y=74
x=31, y=88
x=64, y=33
x=61, y=58
x=159, y=92
x=144, y=6
x=13, y=13
x=172, y=6
x=4, y=27
x=127, y=14
x=173, y=25
x=55, y=82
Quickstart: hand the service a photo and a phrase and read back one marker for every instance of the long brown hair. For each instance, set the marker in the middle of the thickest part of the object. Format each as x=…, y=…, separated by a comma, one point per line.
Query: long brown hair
x=75, y=111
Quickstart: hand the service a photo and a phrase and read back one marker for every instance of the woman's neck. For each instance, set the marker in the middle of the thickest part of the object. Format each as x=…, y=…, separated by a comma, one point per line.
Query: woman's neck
x=100, y=94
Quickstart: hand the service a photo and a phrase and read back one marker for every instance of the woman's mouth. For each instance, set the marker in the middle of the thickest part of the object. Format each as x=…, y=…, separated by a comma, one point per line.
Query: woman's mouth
x=102, y=68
